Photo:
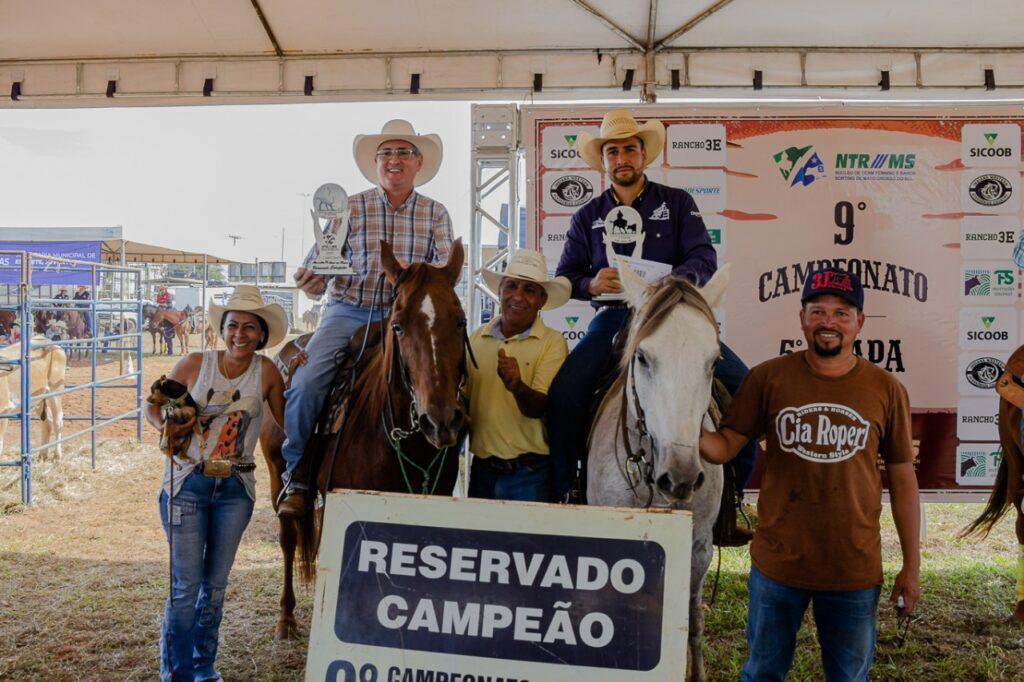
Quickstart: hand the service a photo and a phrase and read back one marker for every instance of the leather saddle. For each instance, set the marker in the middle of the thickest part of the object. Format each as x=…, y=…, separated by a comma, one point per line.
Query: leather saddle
x=349, y=362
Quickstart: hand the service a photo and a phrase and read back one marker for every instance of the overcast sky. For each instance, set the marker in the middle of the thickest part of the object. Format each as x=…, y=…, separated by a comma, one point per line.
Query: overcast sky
x=187, y=177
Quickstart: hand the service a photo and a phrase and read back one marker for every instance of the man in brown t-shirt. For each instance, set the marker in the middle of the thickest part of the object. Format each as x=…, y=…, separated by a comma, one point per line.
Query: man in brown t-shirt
x=826, y=415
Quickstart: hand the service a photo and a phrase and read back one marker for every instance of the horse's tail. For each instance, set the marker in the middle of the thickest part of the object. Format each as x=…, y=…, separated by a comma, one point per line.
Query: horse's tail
x=308, y=542
x=998, y=504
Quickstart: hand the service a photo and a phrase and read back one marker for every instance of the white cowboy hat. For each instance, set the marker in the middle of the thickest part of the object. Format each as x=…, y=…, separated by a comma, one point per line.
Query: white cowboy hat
x=530, y=265
x=364, y=149
x=247, y=298
x=618, y=124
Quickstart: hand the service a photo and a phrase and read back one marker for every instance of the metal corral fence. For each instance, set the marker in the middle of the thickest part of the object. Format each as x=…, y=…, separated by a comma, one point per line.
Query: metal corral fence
x=35, y=306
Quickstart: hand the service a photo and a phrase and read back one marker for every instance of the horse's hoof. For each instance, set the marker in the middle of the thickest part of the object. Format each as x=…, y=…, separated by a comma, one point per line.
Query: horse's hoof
x=285, y=631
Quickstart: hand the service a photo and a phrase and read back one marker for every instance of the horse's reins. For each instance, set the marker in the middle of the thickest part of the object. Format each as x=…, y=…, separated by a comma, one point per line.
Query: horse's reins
x=638, y=458
x=394, y=433
x=645, y=465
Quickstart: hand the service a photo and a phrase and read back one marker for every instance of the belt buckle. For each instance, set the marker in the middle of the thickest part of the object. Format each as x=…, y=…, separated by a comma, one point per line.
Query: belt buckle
x=217, y=468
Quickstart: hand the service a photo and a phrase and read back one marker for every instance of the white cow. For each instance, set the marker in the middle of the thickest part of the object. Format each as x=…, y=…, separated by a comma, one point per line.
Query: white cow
x=47, y=367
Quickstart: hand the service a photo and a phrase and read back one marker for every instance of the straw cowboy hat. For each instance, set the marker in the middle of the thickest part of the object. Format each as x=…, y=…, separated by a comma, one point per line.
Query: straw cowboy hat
x=247, y=299
x=364, y=149
x=618, y=124
x=529, y=265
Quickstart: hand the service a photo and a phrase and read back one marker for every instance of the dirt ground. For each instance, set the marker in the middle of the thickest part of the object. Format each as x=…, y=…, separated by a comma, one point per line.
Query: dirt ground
x=83, y=570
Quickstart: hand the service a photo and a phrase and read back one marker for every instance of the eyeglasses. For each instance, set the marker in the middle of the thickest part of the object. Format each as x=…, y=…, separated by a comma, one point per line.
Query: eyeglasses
x=402, y=153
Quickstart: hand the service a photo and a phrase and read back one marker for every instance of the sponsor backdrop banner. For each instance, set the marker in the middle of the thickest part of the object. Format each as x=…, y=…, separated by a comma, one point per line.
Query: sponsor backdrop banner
x=412, y=588
x=46, y=271
x=923, y=203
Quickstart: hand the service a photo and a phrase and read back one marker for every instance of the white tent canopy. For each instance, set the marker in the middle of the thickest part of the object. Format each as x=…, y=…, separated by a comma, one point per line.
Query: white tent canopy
x=113, y=53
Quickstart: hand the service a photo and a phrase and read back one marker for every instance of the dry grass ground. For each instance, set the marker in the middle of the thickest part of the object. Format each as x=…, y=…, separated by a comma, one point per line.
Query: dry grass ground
x=83, y=578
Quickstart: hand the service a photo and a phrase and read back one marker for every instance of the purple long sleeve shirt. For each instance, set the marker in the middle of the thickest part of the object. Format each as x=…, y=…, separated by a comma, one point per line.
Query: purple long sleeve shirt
x=674, y=233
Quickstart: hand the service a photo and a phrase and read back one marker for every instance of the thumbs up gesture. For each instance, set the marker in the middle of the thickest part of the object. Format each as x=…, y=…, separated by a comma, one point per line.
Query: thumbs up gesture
x=508, y=370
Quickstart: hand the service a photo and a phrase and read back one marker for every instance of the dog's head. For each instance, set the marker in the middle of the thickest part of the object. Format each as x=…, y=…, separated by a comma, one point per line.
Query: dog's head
x=164, y=390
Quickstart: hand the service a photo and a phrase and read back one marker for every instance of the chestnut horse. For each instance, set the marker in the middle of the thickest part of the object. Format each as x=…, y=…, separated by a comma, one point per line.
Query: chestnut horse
x=1008, y=491
x=403, y=420
x=178, y=319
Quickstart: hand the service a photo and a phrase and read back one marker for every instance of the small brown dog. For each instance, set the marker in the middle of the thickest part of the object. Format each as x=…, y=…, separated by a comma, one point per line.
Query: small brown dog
x=177, y=407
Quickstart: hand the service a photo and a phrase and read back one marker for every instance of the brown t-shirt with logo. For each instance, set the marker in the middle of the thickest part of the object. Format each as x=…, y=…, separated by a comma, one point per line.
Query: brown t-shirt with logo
x=821, y=491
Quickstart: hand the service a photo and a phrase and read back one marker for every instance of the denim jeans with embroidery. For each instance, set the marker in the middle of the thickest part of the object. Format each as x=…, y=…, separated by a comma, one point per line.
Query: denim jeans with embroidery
x=209, y=516
x=845, y=621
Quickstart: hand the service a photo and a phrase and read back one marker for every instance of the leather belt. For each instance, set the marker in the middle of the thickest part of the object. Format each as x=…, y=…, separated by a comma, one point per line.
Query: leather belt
x=507, y=466
x=222, y=469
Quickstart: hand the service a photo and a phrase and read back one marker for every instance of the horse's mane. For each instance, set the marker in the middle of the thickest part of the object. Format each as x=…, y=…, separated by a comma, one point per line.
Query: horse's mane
x=668, y=293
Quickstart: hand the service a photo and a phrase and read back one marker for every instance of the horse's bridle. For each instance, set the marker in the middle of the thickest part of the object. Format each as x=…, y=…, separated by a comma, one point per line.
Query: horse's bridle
x=641, y=461
x=394, y=433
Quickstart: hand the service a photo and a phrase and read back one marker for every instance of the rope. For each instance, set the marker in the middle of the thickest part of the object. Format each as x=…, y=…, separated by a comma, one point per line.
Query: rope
x=404, y=459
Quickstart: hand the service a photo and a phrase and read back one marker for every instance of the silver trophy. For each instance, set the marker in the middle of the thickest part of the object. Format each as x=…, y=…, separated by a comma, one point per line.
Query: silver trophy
x=330, y=204
x=623, y=225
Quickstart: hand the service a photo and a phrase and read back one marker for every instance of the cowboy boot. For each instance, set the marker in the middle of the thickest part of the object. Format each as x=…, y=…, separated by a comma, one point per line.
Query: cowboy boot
x=293, y=505
x=293, y=502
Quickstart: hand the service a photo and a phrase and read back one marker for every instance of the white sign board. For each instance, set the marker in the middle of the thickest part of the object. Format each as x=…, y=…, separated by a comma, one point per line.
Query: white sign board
x=416, y=588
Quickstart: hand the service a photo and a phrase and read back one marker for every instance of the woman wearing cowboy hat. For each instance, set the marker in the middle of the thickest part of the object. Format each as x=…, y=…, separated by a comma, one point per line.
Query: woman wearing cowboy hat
x=517, y=357
x=667, y=228
x=213, y=482
x=396, y=161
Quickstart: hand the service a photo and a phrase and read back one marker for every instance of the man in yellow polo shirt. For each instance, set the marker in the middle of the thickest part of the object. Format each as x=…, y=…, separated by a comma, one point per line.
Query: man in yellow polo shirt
x=517, y=357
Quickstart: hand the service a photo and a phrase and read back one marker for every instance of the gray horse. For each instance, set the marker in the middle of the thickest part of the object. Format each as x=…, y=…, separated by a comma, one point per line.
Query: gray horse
x=661, y=397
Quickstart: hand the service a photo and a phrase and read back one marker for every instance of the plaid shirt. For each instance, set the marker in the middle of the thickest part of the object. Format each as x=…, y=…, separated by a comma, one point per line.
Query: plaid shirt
x=419, y=231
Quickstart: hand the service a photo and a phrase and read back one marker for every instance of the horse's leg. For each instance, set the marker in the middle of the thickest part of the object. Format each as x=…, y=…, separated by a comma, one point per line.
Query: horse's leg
x=699, y=562
x=271, y=438
x=56, y=409
x=1018, y=611
x=287, y=626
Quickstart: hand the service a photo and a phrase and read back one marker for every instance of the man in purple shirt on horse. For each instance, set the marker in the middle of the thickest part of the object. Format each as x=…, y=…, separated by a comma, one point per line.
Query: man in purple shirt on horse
x=670, y=231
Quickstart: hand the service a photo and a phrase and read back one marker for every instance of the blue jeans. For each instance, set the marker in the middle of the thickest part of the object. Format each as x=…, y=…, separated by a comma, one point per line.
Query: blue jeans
x=210, y=515
x=305, y=397
x=571, y=397
x=526, y=484
x=845, y=621
x=168, y=332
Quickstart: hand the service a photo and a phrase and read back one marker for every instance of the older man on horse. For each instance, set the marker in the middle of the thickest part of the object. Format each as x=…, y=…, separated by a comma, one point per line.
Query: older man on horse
x=826, y=415
x=517, y=357
x=670, y=231
x=397, y=161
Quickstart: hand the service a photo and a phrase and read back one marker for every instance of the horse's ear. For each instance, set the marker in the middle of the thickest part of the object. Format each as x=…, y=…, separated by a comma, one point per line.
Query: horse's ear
x=633, y=285
x=392, y=268
x=715, y=288
x=456, y=257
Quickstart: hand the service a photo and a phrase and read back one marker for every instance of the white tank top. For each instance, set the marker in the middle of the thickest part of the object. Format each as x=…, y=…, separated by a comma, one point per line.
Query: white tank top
x=229, y=417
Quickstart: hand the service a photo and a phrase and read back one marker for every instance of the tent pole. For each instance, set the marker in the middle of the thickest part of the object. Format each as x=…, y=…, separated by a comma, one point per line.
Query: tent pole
x=206, y=277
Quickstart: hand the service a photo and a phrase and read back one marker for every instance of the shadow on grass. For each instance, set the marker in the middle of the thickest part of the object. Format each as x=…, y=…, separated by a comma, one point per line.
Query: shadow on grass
x=76, y=619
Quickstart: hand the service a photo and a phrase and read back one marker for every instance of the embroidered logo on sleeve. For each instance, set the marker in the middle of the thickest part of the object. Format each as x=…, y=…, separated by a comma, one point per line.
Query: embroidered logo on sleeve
x=822, y=432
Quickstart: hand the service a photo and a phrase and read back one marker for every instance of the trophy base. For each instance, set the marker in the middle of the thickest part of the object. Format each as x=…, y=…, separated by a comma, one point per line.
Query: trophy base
x=332, y=269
